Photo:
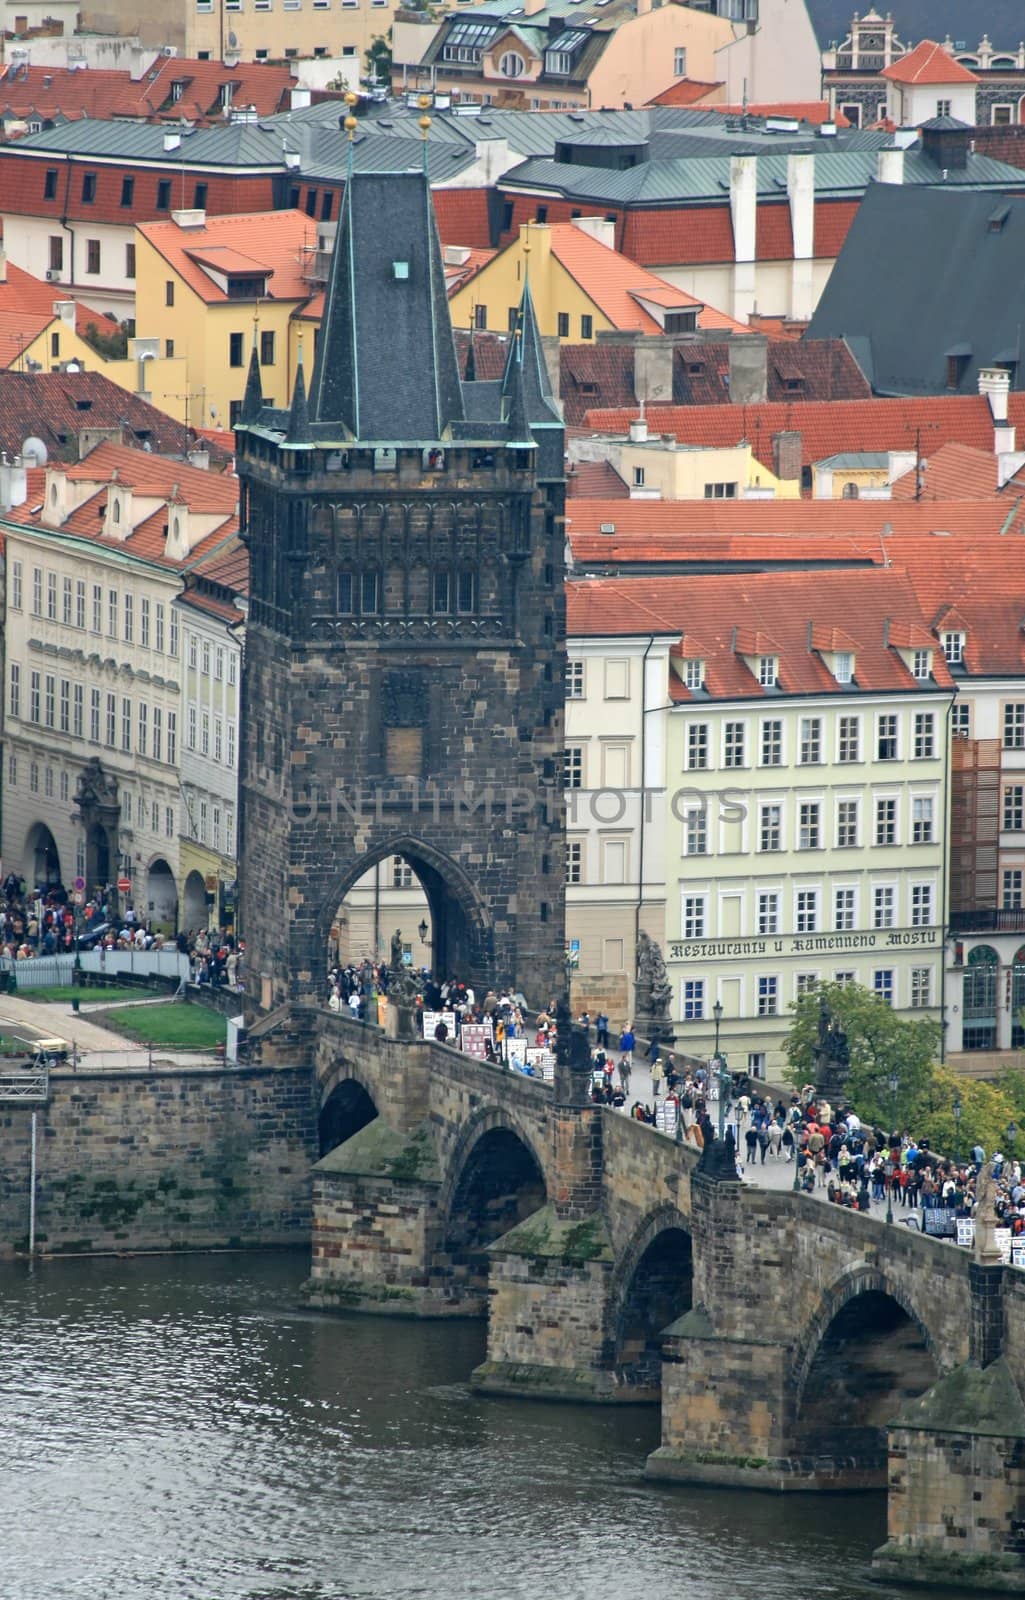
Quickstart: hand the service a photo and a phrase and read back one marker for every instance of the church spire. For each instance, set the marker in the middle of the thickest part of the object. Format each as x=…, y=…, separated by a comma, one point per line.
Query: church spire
x=252, y=400
x=526, y=385
x=470, y=374
x=299, y=416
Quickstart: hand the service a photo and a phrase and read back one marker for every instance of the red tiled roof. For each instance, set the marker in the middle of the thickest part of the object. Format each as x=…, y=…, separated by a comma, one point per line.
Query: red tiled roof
x=928, y=62
x=458, y=275
x=779, y=608
x=26, y=309
x=833, y=220
x=598, y=479
x=616, y=283
x=953, y=472
x=56, y=406
x=463, y=217
x=686, y=234
x=279, y=241
x=684, y=92
x=774, y=240
x=813, y=111
x=153, y=475
x=825, y=429
x=49, y=93
x=228, y=567
x=975, y=585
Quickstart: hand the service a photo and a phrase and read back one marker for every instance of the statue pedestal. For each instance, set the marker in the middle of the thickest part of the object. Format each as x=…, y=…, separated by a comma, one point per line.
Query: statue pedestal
x=400, y=1022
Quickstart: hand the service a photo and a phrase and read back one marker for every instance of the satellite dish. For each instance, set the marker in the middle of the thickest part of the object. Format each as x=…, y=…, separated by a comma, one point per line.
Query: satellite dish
x=232, y=41
x=34, y=452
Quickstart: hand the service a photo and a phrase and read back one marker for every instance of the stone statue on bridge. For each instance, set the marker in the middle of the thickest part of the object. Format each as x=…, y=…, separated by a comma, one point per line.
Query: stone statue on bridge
x=653, y=997
x=832, y=1057
x=987, y=1251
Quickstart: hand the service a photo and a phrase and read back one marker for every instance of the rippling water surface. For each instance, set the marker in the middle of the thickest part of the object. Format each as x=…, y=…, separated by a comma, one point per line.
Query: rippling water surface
x=177, y=1430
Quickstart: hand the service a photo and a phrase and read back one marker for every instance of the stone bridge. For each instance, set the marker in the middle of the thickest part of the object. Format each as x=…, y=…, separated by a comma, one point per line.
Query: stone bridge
x=783, y=1337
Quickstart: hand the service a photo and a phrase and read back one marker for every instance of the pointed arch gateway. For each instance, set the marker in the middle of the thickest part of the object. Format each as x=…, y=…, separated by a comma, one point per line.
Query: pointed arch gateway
x=460, y=927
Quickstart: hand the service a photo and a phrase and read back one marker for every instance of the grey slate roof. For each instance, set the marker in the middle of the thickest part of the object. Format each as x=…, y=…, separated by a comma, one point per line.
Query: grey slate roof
x=240, y=144
x=386, y=364
x=921, y=276
x=838, y=174
x=926, y=19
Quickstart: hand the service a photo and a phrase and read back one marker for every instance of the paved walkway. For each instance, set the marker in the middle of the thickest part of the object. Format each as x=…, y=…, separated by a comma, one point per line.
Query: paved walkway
x=39, y=1019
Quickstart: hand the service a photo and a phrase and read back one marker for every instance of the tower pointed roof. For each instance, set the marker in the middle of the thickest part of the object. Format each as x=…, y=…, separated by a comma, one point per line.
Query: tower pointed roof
x=470, y=371
x=526, y=386
x=299, y=415
x=386, y=367
x=252, y=400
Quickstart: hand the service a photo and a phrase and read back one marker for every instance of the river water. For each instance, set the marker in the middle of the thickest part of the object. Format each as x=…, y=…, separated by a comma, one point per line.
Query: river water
x=176, y=1429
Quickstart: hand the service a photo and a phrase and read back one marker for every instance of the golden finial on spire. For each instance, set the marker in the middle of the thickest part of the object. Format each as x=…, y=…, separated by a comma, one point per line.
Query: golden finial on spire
x=351, y=98
x=350, y=125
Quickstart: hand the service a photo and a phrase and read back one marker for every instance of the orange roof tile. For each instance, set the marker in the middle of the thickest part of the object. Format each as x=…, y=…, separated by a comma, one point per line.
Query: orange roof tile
x=928, y=62
x=616, y=283
x=26, y=309
x=279, y=241
x=780, y=607
x=813, y=111
x=953, y=472
x=826, y=428
x=596, y=478
x=685, y=92
x=173, y=87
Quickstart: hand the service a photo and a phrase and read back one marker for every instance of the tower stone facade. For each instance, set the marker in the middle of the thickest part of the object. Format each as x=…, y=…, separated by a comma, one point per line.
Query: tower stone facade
x=403, y=689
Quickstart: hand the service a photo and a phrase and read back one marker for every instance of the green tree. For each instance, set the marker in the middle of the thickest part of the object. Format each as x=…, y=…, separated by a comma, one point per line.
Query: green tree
x=986, y=1110
x=880, y=1043
x=112, y=346
x=378, y=60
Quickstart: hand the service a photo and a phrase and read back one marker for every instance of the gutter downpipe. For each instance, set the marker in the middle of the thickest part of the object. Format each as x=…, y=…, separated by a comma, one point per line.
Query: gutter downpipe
x=644, y=807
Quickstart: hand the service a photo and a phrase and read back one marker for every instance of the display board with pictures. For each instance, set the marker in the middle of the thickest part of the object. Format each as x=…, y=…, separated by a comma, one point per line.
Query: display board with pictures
x=474, y=1037
x=542, y=1061
x=666, y=1113
x=432, y=1019
x=516, y=1053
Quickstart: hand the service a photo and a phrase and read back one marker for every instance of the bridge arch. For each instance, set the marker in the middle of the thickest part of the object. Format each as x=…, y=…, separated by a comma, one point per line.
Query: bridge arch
x=651, y=1286
x=867, y=1349
x=461, y=934
x=347, y=1104
x=495, y=1179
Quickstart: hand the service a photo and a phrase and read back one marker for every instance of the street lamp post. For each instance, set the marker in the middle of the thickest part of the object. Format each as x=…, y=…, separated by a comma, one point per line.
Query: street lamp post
x=717, y=1018
x=721, y=1072
x=894, y=1086
x=957, y=1109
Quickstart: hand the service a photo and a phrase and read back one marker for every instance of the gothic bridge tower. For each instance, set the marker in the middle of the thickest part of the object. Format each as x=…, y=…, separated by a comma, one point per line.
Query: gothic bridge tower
x=405, y=648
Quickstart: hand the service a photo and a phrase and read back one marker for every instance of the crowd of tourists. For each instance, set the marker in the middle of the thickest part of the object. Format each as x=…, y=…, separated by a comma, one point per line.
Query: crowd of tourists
x=42, y=922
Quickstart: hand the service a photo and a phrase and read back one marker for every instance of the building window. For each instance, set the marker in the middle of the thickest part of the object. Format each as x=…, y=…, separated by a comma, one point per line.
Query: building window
x=810, y=748
x=143, y=734
x=768, y=671
x=573, y=777
x=158, y=733
x=961, y=720
x=94, y=715
x=65, y=706
x=953, y=648
x=809, y=830
x=843, y=666
x=267, y=357
x=921, y=665
x=50, y=184
x=843, y=910
x=693, y=999
x=680, y=61
x=886, y=736
x=34, y=696
x=849, y=745
x=33, y=777
x=129, y=619
x=126, y=725
x=921, y=988
x=720, y=491
x=88, y=188
x=586, y=327
x=236, y=352
x=638, y=477
x=480, y=317
x=159, y=643
x=113, y=612
x=16, y=585
x=97, y=626
x=847, y=824
x=697, y=746
x=574, y=680
x=206, y=658
x=767, y=912
x=925, y=735
x=886, y=822
x=1002, y=116
x=768, y=997
x=111, y=720
x=92, y=255
x=921, y=905
x=921, y=819
x=14, y=702
x=693, y=917
x=12, y=772
x=1014, y=726
x=806, y=911
x=164, y=194
x=770, y=828
x=49, y=699
x=694, y=674
x=172, y=738
x=772, y=744
x=1014, y=809
x=695, y=832
x=127, y=191
x=733, y=744
x=943, y=108
x=51, y=596
x=882, y=984
x=77, y=707
x=804, y=983
x=401, y=873
x=56, y=252
x=883, y=902
x=1011, y=889
x=144, y=615
x=574, y=861
x=562, y=324
x=510, y=63
x=199, y=197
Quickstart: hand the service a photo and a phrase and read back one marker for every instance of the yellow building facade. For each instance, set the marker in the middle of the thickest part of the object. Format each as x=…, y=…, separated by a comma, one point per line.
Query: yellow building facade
x=664, y=469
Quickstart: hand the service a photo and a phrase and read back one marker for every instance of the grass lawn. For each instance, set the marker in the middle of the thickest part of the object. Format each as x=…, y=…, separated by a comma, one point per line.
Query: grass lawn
x=181, y=1026
x=66, y=992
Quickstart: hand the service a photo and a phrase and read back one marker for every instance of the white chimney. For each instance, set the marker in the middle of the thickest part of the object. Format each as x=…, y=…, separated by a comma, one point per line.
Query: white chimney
x=65, y=309
x=13, y=482
x=995, y=384
x=901, y=463
x=801, y=196
x=172, y=141
x=193, y=217
x=743, y=214
x=301, y=98
x=599, y=228
x=3, y=264
x=638, y=430
x=890, y=166
x=532, y=7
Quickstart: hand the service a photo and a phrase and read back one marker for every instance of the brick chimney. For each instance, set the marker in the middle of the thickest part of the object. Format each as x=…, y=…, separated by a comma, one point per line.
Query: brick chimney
x=947, y=148
x=787, y=455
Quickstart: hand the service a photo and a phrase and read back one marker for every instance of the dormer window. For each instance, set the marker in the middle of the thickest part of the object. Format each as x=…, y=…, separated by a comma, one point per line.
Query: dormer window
x=768, y=671
x=953, y=648
x=694, y=674
x=843, y=666
x=921, y=665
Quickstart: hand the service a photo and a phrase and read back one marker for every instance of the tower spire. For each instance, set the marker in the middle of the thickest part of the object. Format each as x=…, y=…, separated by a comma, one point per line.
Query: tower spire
x=299, y=416
x=252, y=400
x=470, y=373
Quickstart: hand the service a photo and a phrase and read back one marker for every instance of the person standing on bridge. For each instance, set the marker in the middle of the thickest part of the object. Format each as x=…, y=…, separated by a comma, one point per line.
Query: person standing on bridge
x=626, y=1043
